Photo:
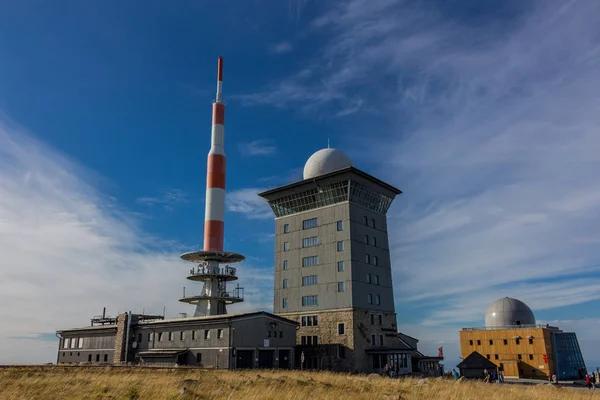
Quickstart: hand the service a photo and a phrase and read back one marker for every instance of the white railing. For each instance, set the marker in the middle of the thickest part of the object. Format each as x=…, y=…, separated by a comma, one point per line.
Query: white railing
x=216, y=270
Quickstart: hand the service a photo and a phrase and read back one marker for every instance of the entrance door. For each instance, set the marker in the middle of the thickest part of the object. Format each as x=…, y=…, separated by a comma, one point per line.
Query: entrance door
x=265, y=358
x=244, y=359
x=284, y=359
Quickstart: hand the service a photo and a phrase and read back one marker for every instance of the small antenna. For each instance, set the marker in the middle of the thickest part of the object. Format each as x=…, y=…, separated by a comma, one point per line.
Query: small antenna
x=328, y=143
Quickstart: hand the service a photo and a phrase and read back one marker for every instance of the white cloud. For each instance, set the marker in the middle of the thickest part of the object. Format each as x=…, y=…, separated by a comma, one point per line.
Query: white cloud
x=248, y=202
x=257, y=148
x=281, y=47
x=67, y=251
x=490, y=129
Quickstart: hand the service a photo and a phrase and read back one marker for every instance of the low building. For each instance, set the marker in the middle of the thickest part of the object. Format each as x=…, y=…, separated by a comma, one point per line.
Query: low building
x=236, y=341
x=515, y=344
x=475, y=366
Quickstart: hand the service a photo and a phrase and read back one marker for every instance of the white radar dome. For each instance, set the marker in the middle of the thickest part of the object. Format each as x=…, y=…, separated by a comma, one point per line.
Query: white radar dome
x=325, y=161
x=508, y=312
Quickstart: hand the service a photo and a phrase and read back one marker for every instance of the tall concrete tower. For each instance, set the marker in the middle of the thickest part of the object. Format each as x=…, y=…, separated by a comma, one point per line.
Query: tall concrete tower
x=332, y=265
x=214, y=297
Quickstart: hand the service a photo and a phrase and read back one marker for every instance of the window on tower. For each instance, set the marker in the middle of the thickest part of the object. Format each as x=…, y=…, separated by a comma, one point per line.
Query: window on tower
x=340, y=329
x=310, y=241
x=373, y=241
x=366, y=240
x=340, y=266
x=285, y=283
x=340, y=246
x=372, y=222
x=340, y=286
x=285, y=264
x=375, y=260
x=286, y=246
x=310, y=301
x=370, y=298
x=367, y=259
x=365, y=220
x=286, y=228
x=377, y=299
x=340, y=225
x=310, y=261
x=309, y=280
x=369, y=278
x=309, y=223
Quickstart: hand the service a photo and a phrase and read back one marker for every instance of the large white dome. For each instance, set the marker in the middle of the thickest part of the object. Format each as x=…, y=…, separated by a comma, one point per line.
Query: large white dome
x=507, y=312
x=325, y=161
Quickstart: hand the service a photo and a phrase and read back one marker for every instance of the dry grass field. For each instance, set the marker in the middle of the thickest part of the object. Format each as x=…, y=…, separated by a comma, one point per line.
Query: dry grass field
x=151, y=383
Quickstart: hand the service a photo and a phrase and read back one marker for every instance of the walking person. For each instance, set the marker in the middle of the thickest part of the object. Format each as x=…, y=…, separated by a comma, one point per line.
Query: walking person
x=588, y=381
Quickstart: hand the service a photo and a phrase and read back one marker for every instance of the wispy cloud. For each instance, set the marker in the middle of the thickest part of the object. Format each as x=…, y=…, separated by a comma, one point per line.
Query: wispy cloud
x=281, y=47
x=168, y=199
x=257, y=148
x=61, y=241
x=490, y=129
x=247, y=201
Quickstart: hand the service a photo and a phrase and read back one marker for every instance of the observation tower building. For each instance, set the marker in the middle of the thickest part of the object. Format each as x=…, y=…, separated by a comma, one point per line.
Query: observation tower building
x=332, y=266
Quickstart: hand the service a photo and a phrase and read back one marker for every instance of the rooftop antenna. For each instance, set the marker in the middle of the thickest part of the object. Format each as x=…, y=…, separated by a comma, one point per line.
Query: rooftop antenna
x=328, y=143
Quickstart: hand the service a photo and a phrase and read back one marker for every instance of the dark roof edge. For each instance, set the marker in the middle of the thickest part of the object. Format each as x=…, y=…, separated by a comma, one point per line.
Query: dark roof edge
x=333, y=173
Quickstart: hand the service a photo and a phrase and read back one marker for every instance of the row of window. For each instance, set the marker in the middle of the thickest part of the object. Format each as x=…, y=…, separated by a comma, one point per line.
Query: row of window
x=366, y=221
x=309, y=300
x=368, y=259
x=309, y=340
x=310, y=320
x=370, y=299
x=73, y=343
x=311, y=242
x=309, y=280
x=373, y=279
x=90, y=358
x=505, y=341
x=374, y=342
x=311, y=261
x=379, y=360
x=170, y=336
x=373, y=319
x=373, y=241
x=314, y=300
x=313, y=223
x=519, y=356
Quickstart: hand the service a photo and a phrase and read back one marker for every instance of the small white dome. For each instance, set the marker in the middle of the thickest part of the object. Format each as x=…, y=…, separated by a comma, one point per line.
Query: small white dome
x=507, y=312
x=325, y=161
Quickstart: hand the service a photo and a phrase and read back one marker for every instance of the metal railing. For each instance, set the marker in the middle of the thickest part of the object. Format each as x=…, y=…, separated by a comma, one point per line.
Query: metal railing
x=493, y=328
x=215, y=270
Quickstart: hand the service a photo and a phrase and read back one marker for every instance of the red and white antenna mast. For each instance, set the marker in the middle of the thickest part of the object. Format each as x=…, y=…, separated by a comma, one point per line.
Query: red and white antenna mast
x=214, y=217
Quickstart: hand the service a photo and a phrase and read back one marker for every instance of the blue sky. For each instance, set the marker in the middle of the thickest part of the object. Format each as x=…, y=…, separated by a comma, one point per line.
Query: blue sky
x=484, y=113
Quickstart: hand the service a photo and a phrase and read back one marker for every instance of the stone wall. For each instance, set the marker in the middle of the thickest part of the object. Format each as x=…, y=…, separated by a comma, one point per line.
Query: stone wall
x=120, y=339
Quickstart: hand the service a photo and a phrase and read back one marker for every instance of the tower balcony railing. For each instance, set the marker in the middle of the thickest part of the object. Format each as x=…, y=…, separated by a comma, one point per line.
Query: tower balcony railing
x=203, y=270
x=234, y=296
x=495, y=328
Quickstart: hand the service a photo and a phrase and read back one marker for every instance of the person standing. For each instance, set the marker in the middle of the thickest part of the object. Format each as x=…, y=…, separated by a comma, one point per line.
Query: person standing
x=593, y=379
x=454, y=374
x=588, y=381
x=500, y=376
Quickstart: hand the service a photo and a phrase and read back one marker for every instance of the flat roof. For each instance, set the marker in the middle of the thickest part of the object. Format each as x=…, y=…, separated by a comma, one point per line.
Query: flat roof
x=330, y=174
x=508, y=328
x=220, y=317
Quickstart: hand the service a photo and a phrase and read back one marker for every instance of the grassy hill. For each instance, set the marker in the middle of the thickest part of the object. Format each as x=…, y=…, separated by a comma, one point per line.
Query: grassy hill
x=132, y=383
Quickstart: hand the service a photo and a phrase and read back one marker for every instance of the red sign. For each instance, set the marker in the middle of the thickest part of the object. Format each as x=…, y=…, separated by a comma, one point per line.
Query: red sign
x=546, y=359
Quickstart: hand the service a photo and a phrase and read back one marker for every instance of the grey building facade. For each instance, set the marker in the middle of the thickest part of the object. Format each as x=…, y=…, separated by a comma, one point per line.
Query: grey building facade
x=333, y=270
x=236, y=341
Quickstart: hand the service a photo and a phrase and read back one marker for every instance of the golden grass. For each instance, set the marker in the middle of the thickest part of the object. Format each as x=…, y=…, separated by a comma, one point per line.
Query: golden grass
x=152, y=383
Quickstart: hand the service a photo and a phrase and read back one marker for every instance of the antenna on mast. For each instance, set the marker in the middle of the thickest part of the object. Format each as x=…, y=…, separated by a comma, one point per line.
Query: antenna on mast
x=328, y=143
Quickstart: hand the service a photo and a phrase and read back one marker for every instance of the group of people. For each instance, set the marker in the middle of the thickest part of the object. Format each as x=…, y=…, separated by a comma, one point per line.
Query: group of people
x=591, y=380
x=392, y=372
x=493, y=376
